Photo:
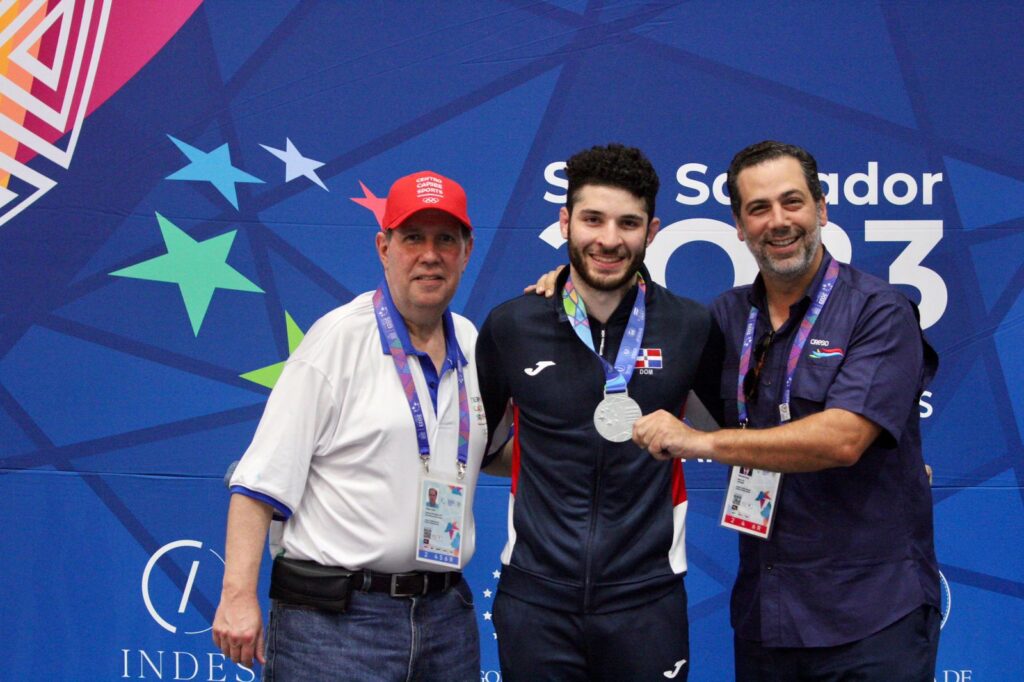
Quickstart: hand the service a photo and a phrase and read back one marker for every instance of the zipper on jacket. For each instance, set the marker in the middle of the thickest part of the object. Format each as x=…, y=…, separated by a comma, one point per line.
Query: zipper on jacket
x=592, y=531
x=594, y=497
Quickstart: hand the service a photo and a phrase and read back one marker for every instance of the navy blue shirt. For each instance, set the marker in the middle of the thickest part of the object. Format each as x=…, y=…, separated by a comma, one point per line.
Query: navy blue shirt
x=595, y=526
x=852, y=550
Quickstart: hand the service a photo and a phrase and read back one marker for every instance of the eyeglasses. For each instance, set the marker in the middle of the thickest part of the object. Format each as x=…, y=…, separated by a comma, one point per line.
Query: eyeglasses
x=760, y=354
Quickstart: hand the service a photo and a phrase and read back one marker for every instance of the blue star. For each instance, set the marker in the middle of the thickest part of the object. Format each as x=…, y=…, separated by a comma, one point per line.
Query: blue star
x=213, y=167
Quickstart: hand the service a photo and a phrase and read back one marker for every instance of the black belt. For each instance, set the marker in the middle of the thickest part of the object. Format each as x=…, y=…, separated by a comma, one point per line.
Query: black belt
x=405, y=584
x=330, y=587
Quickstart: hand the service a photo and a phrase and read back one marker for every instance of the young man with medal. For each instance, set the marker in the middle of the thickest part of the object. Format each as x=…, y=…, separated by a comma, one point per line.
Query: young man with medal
x=593, y=568
x=823, y=369
x=368, y=454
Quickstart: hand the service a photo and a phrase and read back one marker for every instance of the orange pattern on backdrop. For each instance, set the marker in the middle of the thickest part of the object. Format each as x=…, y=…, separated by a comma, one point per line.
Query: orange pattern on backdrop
x=15, y=74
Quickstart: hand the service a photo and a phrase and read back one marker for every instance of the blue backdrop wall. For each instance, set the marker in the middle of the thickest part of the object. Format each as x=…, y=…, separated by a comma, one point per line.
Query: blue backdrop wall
x=187, y=186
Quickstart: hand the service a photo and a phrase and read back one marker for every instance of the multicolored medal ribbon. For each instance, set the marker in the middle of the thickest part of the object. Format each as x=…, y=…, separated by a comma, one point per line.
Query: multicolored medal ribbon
x=616, y=413
x=799, y=341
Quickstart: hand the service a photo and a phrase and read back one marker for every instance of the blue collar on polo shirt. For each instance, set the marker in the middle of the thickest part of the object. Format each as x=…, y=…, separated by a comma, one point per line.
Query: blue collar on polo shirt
x=453, y=353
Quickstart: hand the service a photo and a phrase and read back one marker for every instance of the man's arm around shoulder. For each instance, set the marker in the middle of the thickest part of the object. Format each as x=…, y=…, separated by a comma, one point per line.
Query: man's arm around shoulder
x=494, y=390
x=501, y=465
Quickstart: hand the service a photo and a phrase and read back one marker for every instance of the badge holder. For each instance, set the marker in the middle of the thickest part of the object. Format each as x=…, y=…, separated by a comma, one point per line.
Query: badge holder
x=442, y=521
x=753, y=494
x=441, y=515
x=750, y=501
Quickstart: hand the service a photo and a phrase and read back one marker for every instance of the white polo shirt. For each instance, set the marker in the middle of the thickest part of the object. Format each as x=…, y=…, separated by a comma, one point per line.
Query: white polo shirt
x=336, y=452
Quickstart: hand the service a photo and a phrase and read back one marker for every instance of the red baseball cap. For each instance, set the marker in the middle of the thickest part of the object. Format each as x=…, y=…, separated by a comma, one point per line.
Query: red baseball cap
x=421, y=191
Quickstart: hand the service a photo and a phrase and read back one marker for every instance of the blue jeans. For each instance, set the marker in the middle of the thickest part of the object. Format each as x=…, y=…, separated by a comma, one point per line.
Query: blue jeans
x=379, y=638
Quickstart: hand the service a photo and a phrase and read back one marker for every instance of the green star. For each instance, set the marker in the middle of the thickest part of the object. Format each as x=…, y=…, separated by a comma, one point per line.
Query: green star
x=198, y=268
x=268, y=376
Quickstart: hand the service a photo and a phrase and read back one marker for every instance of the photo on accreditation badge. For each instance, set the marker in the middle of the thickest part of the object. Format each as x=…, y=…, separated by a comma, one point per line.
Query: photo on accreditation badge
x=441, y=523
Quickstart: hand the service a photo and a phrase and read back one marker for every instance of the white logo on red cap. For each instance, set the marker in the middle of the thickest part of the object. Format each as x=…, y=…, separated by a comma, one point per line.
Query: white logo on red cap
x=429, y=189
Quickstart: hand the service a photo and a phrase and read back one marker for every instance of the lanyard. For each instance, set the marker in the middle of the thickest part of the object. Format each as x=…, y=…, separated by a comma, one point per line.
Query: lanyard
x=618, y=376
x=388, y=326
x=799, y=341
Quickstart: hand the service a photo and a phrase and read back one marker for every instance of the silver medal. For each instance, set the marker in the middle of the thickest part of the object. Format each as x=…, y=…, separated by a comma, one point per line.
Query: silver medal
x=615, y=415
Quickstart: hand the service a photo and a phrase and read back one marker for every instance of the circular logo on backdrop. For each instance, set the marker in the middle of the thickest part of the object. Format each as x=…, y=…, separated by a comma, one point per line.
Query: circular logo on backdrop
x=183, y=569
x=946, y=600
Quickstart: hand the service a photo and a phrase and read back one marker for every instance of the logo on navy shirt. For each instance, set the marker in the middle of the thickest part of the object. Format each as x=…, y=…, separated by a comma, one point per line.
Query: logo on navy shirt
x=823, y=351
x=820, y=353
x=538, y=368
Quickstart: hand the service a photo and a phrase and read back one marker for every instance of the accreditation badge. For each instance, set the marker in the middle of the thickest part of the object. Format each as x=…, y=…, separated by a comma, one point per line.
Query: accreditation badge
x=750, y=501
x=442, y=520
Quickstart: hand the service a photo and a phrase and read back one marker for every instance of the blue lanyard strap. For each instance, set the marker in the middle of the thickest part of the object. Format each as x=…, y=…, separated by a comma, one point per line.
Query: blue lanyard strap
x=799, y=341
x=388, y=325
x=618, y=376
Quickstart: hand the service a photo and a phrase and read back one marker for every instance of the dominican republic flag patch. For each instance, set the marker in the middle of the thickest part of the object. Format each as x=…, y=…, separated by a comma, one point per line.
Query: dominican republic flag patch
x=648, y=358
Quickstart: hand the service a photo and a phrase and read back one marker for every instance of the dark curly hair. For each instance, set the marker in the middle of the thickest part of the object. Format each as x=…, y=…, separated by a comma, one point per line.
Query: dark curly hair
x=768, y=150
x=613, y=166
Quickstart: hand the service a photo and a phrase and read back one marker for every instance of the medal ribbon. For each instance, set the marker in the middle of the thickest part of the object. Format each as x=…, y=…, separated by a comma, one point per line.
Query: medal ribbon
x=799, y=341
x=387, y=325
x=618, y=376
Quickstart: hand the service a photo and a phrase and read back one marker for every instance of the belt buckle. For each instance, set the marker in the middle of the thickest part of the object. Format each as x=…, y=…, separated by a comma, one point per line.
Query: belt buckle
x=394, y=585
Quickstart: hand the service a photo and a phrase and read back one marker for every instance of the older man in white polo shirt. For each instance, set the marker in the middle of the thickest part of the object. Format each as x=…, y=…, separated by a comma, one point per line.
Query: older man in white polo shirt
x=373, y=411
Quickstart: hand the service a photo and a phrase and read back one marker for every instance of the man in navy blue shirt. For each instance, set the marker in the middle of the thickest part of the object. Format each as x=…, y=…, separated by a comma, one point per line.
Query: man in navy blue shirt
x=825, y=365
x=593, y=570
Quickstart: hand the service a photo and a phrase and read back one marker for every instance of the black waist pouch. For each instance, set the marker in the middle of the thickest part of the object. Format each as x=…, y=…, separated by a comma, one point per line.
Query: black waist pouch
x=310, y=584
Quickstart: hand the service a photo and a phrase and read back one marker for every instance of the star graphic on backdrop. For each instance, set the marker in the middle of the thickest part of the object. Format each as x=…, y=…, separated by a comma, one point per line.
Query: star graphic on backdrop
x=488, y=593
x=487, y=615
x=198, y=268
x=495, y=635
x=268, y=376
x=496, y=574
x=296, y=165
x=375, y=204
x=213, y=167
